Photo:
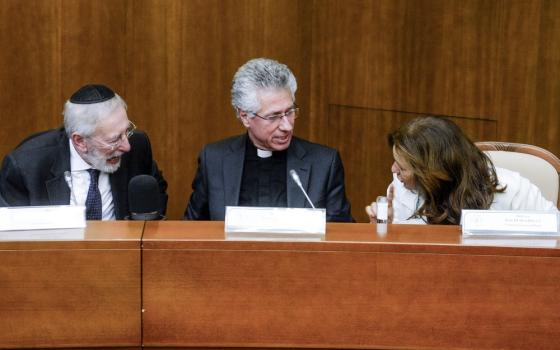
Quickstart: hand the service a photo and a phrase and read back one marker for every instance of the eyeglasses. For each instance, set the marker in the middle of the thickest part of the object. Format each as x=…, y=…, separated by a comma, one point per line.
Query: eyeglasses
x=291, y=113
x=113, y=145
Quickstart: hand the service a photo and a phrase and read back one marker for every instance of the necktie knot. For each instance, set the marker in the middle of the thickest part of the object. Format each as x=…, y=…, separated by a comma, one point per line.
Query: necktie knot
x=93, y=175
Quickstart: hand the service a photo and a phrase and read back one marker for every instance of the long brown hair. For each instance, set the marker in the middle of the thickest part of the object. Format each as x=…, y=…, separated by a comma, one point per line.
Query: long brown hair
x=450, y=171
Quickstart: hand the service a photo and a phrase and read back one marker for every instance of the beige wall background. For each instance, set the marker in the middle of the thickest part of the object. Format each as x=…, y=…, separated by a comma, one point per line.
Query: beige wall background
x=363, y=68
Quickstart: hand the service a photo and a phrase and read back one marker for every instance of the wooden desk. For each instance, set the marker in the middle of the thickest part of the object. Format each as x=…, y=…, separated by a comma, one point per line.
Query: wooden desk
x=75, y=293
x=418, y=287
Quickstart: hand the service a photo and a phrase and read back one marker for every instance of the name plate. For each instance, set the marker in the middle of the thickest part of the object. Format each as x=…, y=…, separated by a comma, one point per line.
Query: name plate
x=275, y=224
x=509, y=222
x=61, y=234
x=42, y=217
x=511, y=241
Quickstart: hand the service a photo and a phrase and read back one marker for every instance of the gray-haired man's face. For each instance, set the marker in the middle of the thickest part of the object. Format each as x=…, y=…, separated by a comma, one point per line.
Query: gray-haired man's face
x=104, y=149
x=273, y=135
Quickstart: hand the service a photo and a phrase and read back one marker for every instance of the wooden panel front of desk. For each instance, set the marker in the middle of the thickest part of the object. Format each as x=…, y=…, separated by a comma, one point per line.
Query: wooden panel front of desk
x=418, y=287
x=72, y=293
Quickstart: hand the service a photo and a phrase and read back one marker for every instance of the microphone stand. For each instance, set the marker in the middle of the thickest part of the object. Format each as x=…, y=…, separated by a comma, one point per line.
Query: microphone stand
x=297, y=180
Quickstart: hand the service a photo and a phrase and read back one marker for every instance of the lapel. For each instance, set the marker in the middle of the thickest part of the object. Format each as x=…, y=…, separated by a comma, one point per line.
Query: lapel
x=232, y=170
x=57, y=188
x=295, y=156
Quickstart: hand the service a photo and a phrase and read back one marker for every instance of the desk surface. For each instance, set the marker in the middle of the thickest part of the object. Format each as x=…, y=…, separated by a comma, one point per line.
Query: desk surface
x=97, y=235
x=416, y=287
x=399, y=238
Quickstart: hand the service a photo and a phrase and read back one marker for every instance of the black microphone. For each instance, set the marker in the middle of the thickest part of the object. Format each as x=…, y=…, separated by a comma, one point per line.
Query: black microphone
x=144, y=198
x=296, y=179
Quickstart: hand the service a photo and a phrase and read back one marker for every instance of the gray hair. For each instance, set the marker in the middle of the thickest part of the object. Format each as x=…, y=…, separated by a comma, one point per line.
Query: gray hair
x=257, y=74
x=84, y=118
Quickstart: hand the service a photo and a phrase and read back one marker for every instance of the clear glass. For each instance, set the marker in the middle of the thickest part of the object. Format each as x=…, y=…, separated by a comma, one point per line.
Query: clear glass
x=382, y=209
x=382, y=206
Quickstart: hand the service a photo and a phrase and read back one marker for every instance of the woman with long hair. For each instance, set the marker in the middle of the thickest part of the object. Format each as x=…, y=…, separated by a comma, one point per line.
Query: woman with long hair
x=438, y=171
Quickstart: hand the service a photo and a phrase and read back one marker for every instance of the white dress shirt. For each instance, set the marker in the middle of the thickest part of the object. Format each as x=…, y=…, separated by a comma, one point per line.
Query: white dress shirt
x=80, y=185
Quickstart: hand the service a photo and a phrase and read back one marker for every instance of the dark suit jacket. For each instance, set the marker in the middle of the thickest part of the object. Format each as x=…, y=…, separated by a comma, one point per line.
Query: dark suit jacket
x=33, y=174
x=220, y=167
x=2, y=202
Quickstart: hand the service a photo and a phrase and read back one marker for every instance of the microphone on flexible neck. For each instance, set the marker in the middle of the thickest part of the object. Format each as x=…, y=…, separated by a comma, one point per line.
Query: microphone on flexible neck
x=296, y=179
x=144, y=198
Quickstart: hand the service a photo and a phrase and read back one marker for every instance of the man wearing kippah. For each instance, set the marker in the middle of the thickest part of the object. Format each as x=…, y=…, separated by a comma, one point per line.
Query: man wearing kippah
x=87, y=162
x=254, y=169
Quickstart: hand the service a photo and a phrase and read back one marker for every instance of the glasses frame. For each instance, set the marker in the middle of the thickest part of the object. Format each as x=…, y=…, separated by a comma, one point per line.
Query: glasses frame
x=276, y=117
x=112, y=146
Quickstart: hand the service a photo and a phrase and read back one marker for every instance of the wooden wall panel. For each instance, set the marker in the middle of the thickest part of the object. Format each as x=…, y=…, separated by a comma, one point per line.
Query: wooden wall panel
x=29, y=69
x=362, y=135
x=519, y=40
x=547, y=114
x=424, y=56
x=49, y=49
x=484, y=59
x=93, y=45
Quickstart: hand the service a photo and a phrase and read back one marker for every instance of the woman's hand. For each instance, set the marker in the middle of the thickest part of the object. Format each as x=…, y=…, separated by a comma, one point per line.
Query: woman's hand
x=371, y=209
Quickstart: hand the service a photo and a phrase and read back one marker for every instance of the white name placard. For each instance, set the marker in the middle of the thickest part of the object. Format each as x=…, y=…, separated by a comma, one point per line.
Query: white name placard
x=60, y=234
x=285, y=224
x=509, y=222
x=511, y=241
x=42, y=217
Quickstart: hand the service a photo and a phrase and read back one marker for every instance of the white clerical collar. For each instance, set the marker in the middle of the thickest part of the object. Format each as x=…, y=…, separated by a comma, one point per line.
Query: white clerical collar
x=263, y=153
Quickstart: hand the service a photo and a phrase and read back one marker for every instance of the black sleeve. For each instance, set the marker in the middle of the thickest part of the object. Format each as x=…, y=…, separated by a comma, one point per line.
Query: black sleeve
x=12, y=186
x=162, y=184
x=338, y=207
x=158, y=175
x=197, y=208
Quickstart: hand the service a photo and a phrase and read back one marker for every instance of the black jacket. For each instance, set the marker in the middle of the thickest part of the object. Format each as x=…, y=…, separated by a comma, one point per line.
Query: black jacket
x=33, y=174
x=220, y=167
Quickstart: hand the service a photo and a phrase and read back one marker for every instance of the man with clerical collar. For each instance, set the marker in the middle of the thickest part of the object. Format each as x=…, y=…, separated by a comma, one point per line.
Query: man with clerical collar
x=87, y=162
x=252, y=169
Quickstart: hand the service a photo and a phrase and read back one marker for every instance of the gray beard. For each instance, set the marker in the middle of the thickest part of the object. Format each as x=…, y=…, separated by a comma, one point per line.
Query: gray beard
x=99, y=161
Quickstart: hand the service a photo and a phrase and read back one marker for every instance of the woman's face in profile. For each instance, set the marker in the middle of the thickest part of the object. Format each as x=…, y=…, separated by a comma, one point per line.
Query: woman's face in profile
x=402, y=169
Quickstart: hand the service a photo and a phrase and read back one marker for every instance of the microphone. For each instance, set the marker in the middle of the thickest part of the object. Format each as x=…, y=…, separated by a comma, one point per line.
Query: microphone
x=296, y=179
x=143, y=198
x=68, y=179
